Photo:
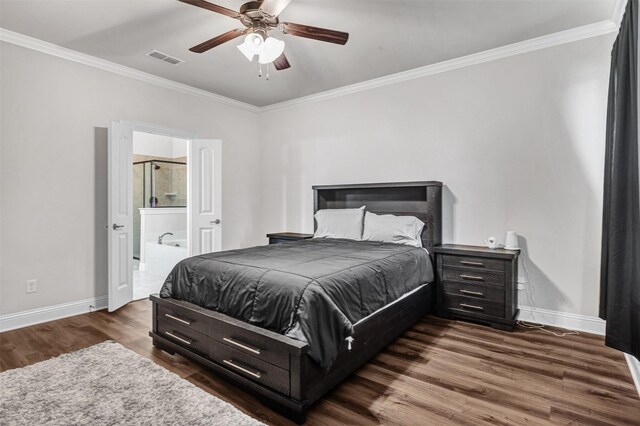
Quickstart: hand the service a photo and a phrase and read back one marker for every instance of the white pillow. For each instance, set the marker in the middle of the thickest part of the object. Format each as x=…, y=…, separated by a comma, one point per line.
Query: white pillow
x=393, y=229
x=339, y=223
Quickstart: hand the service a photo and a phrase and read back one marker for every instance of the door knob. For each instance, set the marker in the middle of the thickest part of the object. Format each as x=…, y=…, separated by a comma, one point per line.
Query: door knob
x=215, y=222
x=116, y=227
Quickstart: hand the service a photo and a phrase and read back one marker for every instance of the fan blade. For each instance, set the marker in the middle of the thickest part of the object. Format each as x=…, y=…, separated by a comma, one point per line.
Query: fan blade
x=274, y=7
x=216, y=41
x=281, y=63
x=212, y=7
x=315, y=33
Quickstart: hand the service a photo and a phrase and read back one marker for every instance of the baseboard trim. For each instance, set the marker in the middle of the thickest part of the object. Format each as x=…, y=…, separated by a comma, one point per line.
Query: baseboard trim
x=634, y=367
x=51, y=313
x=570, y=321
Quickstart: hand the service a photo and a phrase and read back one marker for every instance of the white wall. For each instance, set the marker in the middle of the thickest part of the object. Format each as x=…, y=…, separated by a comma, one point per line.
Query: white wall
x=158, y=145
x=53, y=170
x=519, y=144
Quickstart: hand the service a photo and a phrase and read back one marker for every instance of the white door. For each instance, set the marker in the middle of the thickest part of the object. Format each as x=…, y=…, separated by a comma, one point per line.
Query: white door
x=120, y=177
x=204, y=205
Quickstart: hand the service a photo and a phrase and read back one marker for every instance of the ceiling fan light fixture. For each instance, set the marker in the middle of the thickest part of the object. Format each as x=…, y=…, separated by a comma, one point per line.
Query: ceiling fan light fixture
x=255, y=42
x=247, y=51
x=272, y=50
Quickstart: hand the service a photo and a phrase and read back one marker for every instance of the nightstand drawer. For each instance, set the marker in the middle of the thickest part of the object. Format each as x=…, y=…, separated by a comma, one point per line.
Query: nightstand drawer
x=476, y=291
x=479, y=263
x=471, y=305
x=495, y=279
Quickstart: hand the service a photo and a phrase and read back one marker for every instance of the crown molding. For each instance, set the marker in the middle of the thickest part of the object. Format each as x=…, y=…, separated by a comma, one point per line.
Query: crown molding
x=82, y=58
x=550, y=40
x=555, y=39
x=618, y=12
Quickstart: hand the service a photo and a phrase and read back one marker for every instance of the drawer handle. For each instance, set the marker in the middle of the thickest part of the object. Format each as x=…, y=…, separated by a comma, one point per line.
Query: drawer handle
x=477, y=308
x=178, y=319
x=185, y=341
x=472, y=277
x=472, y=293
x=470, y=263
x=240, y=345
x=236, y=366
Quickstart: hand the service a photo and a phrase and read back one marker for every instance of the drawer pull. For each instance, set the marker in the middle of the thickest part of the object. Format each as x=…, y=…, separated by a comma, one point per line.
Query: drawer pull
x=477, y=308
x=240, y=345
x=178, y=319
x=236, y=366
x=185, y=341
x=471, y=277
x=470, y=263
x=472, y=293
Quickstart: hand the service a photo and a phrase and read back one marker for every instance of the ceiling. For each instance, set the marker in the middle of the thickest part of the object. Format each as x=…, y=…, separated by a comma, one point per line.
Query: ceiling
x=386, y=37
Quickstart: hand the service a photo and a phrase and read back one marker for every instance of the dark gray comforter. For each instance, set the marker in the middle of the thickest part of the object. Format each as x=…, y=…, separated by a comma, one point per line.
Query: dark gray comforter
x=312, y=290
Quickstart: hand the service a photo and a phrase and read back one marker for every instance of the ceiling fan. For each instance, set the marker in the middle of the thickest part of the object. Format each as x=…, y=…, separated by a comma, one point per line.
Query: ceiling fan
x=259, y=17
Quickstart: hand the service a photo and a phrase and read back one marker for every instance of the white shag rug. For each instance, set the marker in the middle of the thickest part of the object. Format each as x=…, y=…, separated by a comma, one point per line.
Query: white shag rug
x=108, y=384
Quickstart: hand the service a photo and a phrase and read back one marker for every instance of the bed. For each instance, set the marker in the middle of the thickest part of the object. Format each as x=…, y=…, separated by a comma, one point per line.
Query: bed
x=254, y=343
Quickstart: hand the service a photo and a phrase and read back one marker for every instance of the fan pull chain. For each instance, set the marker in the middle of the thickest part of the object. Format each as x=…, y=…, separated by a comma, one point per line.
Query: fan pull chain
x=267, y=72
x=260, y=71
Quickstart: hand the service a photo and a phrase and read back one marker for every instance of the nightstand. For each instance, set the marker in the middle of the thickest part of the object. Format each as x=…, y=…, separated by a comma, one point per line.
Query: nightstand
x=477, y=284
x=283, y=237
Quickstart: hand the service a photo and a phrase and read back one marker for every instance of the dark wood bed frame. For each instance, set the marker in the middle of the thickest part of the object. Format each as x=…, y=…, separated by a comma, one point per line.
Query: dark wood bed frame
x=277, y=368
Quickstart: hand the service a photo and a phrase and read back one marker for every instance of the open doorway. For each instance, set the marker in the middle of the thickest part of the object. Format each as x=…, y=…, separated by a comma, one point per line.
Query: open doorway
x=159, y=209
x=159, y=233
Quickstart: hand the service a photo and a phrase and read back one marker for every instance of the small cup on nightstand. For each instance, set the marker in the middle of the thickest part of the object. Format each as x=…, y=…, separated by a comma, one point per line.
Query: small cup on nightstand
x=491, y=242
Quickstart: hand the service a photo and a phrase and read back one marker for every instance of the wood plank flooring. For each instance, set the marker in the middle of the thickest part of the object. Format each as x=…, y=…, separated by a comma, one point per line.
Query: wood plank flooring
x=439, y=372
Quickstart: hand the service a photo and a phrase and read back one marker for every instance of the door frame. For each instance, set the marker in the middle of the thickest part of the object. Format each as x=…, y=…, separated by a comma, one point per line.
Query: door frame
x=160, y=130
x=157, y=130
x=171, y=133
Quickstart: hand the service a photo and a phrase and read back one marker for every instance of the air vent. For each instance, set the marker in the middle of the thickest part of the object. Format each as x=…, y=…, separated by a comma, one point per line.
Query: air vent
x=164, y=57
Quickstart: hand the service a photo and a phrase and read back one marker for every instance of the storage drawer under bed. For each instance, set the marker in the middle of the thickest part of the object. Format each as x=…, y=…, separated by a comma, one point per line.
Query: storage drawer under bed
x=187, y=322
x=251, y=367
x=249, y=343
x=184, y=336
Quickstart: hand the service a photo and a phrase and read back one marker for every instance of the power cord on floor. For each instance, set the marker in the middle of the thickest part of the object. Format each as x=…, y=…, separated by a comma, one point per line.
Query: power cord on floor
x=529, y=291
x=541, y=327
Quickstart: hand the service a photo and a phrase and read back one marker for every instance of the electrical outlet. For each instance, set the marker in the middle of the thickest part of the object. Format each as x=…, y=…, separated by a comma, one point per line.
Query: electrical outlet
x=32, y=286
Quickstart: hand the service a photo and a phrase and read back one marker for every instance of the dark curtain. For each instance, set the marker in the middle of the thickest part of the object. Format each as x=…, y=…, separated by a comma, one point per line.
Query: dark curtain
x=620, y=275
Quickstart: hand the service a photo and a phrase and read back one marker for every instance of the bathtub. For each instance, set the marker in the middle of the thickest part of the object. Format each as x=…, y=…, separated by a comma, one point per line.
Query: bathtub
x=161, y=258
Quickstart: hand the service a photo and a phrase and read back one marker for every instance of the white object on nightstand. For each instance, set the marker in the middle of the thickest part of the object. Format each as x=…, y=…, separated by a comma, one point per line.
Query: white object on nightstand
x=511, y=241
x=491, y=242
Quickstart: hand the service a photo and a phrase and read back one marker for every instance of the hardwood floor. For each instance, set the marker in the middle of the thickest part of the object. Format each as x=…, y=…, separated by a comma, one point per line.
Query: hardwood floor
x=439, y=372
